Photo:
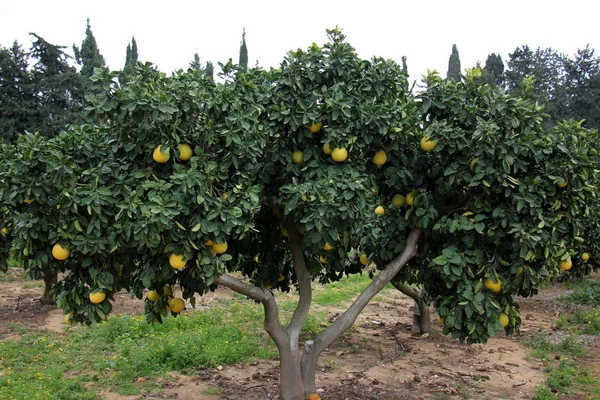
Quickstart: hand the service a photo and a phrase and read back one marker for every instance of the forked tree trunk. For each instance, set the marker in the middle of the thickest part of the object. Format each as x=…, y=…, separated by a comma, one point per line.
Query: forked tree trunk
x=50, y=279
x=421, y=316
x=297, y=370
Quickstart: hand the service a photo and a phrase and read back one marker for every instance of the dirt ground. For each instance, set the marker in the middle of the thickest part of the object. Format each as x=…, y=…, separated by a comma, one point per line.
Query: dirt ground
x=377, y=359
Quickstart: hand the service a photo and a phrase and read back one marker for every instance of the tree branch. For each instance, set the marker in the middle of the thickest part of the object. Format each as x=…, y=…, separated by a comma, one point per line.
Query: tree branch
x=406, y=290
x=347, y=319
x=272, y=324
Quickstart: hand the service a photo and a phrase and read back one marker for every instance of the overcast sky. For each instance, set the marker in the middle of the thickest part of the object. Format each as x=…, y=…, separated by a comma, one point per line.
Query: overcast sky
x=168, y=33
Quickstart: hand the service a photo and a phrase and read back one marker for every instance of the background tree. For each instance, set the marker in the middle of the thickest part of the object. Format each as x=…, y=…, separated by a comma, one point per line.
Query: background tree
x=493, y=72
x=18, y=103
x=195, y=63
x=454, y=71
x=59, y=88
x=88, y=55
x=243, y=53
x=210, y=70
x=583, y=88
x=131, y=59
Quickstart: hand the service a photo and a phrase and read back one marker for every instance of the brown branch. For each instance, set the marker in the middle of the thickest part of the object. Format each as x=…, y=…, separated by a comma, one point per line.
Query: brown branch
x=347, y=319
x=272, y=323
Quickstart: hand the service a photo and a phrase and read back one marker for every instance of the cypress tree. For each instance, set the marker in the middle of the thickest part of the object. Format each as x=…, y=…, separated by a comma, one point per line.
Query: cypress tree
x=195, y=64
x=210, y=70
x=493, y=72
x=88, y=56
x=131, y=58
x=454, y=65
x=243, y=53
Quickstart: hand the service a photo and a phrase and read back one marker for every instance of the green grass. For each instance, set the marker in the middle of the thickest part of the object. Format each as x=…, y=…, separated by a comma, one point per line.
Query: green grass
x=586, y=321
x=586, y=293
x=111, y=356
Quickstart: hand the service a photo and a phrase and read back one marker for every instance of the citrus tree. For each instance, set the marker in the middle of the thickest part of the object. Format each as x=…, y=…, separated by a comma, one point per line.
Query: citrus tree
x=272, y=180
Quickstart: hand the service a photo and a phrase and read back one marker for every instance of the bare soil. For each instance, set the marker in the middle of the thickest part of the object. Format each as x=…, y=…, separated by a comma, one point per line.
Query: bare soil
x=376, y=359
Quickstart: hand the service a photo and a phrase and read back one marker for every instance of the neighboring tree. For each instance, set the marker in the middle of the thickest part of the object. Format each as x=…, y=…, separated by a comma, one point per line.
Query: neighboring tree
x=583, y=88
x=210, y=70
x=243, y=53
x=454, y=71
x=195, y=63
x=88, y=55
x=288, y=171
x=131, y=59
x=493, y=72
x=18, y=102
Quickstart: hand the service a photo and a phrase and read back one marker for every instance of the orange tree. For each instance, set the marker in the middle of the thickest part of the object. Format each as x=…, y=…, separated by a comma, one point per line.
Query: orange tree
x=303, y=173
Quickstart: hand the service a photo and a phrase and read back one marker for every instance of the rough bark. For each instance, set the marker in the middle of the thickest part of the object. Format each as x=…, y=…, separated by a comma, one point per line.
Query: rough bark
x=50, y=279
x=421, y=315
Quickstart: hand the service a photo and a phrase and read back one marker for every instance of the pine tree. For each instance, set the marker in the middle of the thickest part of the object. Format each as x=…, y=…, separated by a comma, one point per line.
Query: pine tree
x=59, y=88
x=493, y=72
x=88, y=56
x=18, y=103
x=454, y=65
x=243, y=53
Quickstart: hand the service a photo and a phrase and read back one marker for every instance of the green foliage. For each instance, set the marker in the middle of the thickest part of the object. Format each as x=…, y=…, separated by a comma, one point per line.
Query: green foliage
x=131, y=59
x=454, y=71
x=493, y=72
x=88, y=55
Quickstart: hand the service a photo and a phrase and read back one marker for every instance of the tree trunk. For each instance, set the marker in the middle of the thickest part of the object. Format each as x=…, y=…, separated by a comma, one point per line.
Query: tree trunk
x=297, y=370
x=421, y=316
x=50, y=279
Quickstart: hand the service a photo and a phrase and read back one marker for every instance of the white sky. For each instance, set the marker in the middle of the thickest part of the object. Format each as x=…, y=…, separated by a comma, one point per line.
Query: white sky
x=168, y=33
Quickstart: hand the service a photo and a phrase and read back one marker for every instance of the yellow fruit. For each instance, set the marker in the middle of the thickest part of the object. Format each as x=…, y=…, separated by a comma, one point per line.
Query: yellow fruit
x=323, y=259
x=519, y=271
x=177, y=305
x=473, y=162
x=314, y=396
x=585, y=256
x=176, y=261
x=224, y=196
x=4, y=231
x=60, y=253
x=398, y=200
x=380, y=158
x=153, y=296
x=97, y=297
x=494, y=287
x=28, y=201
x=167, y=290
x=339, y=154
x=298, y=157
x=427, y=144
x=68, y=319
x=185, y=152
x=284, y=232
x=410, y=199
x=314, y=128
x=304, y=198
x=327, y=149
x=281, y=278
x=209, y=243
x=379, y=210
x=565, y=265
x=257, y=259
x=364, y=260
x=327, y=247
x=219, y=248
x=159, y=156
x=504, y=319
x=441, y=321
